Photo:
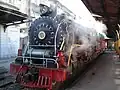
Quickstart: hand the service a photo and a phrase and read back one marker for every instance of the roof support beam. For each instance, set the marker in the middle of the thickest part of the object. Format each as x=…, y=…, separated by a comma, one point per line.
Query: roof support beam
x=103, y=4
x=108, y=23
x=15, y=23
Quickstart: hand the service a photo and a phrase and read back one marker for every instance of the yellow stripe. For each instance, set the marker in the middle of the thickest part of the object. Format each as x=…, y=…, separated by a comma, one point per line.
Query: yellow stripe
x=69, y=58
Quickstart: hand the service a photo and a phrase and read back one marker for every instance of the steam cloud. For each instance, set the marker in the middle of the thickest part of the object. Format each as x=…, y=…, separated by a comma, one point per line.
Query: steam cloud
x=88, y=36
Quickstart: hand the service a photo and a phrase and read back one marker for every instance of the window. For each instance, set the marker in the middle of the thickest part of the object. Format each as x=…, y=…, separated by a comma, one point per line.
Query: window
x=12, y=1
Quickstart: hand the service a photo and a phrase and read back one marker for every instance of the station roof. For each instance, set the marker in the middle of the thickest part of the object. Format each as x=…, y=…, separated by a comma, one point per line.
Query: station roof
x=10, y=16
x=110, y=12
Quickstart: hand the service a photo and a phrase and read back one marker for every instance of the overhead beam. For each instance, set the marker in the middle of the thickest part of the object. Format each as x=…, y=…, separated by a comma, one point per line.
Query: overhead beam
x=111, y=14
x=16, y=23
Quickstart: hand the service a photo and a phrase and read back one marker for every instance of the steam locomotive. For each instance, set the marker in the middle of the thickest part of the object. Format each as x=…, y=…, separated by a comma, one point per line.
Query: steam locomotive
x=53, y=53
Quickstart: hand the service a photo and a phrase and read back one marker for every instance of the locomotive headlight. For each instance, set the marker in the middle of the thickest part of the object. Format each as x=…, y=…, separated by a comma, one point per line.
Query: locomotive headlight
x=41, y=35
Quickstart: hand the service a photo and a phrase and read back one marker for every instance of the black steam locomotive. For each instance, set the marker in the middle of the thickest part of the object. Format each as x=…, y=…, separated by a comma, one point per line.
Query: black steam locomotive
x=47, y=58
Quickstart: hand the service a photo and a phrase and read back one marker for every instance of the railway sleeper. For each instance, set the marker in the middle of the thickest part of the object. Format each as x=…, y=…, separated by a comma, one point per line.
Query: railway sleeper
x=2, y=76
x=14, y=86
x=3, y=70
x=6, y=81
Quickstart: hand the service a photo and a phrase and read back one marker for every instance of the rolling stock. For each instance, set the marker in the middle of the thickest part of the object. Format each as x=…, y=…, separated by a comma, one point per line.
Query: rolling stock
x=55, y=52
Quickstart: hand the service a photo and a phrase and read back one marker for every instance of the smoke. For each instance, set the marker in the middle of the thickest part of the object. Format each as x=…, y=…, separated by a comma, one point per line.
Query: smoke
x=86, y=36
x=83, y=31
x=100, y=27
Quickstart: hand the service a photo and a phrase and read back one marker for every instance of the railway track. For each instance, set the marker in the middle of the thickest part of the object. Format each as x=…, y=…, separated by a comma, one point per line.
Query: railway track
x=7, y=81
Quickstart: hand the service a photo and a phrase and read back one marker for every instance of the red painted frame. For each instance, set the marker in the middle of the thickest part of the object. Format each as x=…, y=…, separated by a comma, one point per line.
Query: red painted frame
x=58, y=75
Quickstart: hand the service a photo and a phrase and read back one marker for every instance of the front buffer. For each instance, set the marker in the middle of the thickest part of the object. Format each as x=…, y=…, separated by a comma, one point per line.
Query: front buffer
x=36, y=77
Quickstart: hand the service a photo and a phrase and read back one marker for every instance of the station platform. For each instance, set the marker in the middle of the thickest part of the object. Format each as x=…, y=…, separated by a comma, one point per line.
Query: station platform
x=103, y=75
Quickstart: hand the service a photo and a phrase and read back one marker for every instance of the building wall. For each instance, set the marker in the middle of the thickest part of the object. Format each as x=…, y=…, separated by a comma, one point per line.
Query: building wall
x=23, y=7
x=10, y=39
x=20, y=5
x=9, y=42
x=11, y=4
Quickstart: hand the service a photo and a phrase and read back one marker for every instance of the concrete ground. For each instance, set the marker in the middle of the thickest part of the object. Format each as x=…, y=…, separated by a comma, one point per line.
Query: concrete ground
x=104, y=75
